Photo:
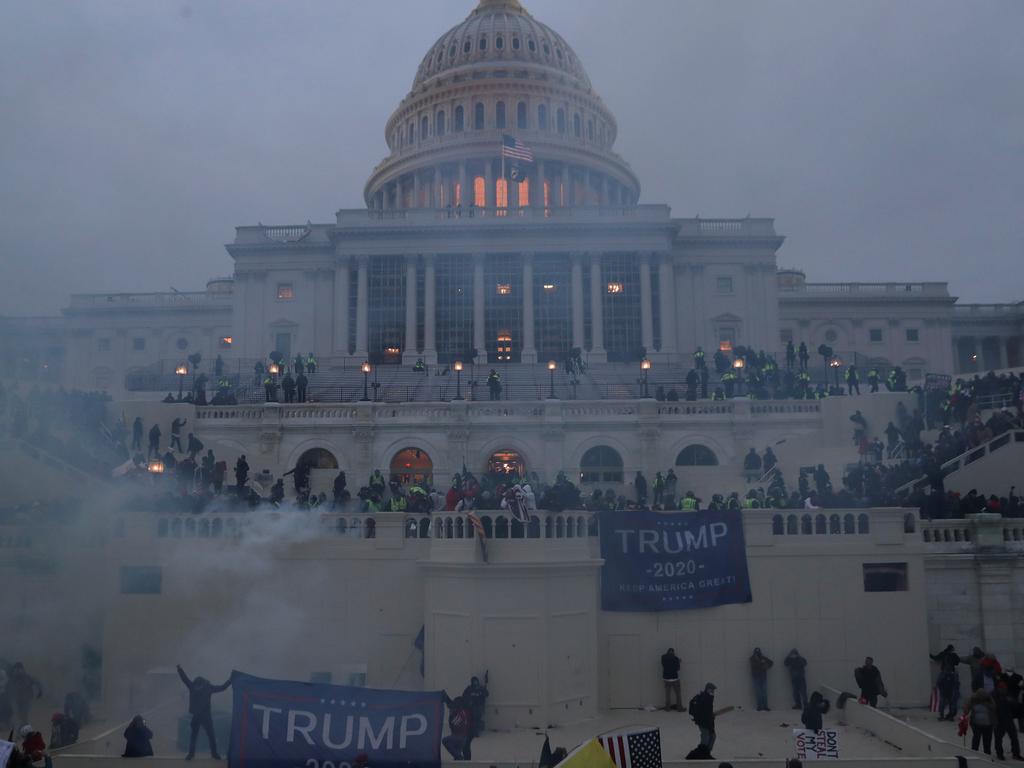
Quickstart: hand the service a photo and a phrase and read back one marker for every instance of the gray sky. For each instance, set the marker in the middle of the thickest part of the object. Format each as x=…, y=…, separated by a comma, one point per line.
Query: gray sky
x=885, y=136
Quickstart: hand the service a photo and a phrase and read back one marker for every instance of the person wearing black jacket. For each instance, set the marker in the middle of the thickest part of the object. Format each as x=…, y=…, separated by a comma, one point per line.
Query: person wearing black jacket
x=1007, y=709
x=816, y=707
x=869, y=679
x=759, y=666
x=138, y=739
x=670, y=677
x=796, y=665
x=475, y=697
x=947, y=683
x=200, y=692
x=702, y=710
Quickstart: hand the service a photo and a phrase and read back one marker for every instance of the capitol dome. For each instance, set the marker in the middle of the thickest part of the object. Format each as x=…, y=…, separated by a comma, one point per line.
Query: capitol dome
x=500, y=75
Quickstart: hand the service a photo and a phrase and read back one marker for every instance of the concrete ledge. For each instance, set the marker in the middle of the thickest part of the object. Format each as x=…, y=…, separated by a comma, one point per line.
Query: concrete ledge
x=105, y=761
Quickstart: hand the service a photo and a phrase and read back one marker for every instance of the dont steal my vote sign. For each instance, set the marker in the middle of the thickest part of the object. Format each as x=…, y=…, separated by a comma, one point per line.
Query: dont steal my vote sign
x=657, y=561
x=284, y=724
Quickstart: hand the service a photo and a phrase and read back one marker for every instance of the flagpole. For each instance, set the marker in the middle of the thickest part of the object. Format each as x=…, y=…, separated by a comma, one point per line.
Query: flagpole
x=503, y=171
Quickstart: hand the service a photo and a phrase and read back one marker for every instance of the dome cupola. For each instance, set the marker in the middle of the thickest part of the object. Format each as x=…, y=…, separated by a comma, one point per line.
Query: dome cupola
x=497, y=77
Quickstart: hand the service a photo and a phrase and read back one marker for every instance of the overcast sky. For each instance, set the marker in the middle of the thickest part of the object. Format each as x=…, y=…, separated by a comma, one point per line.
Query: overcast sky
x=886, y=137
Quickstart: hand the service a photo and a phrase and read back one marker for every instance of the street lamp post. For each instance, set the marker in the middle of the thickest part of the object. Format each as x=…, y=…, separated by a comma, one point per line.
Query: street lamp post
x=181, y=371
x=458, y=379
x=645, y=366
x=551, y=369
x=738, y=364
x=835, y=363
x=365, y=368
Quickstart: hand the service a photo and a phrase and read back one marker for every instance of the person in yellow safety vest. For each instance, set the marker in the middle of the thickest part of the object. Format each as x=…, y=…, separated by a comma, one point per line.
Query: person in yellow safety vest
x=398, y=504
x=750, y=501
x=689, y=502
x=873, y=379
x=698, y=358
x=310, y=364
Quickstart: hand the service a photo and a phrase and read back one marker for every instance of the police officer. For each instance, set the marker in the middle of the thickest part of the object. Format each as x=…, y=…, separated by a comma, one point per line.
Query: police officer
x=692, y=384
x=790, y=354
x=852, y=380
x=873, y=379
x=288, y=385
x=310, y=364
x=698, y=358
x=804, y=356
x=270, y=389
x=301, y=383
x=689, y=502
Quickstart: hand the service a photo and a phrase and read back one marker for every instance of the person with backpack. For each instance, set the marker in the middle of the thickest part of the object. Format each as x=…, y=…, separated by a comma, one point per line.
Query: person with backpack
x=981, y=714
x=670, y=677
x=460, y=721
x=816, y=707
x=702, y=710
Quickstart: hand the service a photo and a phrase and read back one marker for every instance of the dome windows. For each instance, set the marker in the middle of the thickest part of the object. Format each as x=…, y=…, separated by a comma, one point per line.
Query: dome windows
x=542, y=117
x=439, y=125
x=460, y=118
x=590, y=129
x=467, y=46
x=499, y=114
x=561, y=120
x=499, y=43
x=451, y=53
x=412, y=133
x=478, y=116
x=558, y=51
x=440, y=56
x=531, y=45
x=515, y=43
x=424, y=128
x=483, y=43
x=577, y=125
x=521, y=115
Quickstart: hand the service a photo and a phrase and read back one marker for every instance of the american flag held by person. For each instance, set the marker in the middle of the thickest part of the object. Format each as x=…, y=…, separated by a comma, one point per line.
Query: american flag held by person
x=634, y=747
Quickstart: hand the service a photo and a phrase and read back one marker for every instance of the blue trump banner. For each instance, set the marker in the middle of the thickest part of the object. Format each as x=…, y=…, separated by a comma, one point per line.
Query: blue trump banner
x=284, y=724
x=658, y=561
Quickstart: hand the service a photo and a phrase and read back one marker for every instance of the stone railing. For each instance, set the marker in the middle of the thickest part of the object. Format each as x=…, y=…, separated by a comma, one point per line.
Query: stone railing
x=479, y=215
x=148, y=300
x=821, y=522
x=867, y=289
x=726, y=227
x=982, y=532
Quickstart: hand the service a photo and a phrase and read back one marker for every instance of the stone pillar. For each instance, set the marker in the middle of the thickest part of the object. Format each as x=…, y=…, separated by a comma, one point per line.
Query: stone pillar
x=537, y=198
x=429, y=310
x=667, y=302
x=597, y=350
x=577, y=300
x=529, y=354
x=565, y=200
x=341, y=290
x=604, y=190
x=646, y=304
x=488, y=184
x=362, y=308
x=409, y=347
x=439, y=196
x=465, y=196
x=415, y=189
x=513, y=193
x=478, y=307
x=587, y=187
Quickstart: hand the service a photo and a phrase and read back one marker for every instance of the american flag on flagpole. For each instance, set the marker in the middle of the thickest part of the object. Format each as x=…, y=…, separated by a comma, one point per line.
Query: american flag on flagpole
x=513, y=148
x=481, y=534
x=634, y=748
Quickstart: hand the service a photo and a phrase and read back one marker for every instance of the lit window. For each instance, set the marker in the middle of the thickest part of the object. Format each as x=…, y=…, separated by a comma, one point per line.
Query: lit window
x=392, y=351
x=549, y=288
x=726, y=338
x=501, y=193
x=479, y=192
x=504, y=345
x=103, y=345
x=285, y=291
x=725, y=346
x=138, y=343
x=615, y=288
x=504, y=289
x=913, y=335
x=226, y=342
x=524, y=193
x=875, y=334
x=725, y=285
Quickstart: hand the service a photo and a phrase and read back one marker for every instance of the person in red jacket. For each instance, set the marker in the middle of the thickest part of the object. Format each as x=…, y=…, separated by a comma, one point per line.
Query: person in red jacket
x=32, y=743
x=460, y=721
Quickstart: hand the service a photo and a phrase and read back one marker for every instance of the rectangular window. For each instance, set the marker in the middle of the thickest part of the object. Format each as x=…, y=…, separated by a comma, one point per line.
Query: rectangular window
x=615, y=288
x=103, y=345
x=875, y=334
x=283, y=344
x=913, y=335
x=724, y=285
x=285, y=292
x=138, y=343
x=226, y=342
x=726, y=336
x=885, y=577
x=504, y=289
x=141, y=580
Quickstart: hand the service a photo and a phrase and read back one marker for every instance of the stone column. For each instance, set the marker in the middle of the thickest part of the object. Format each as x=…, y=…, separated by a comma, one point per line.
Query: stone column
x=478, y=307
x=667, y=302
x=429, y=310
x=597, y=350
x=537, y=198
x=362, y=308
x=513, y=193
x=529, y=354
x=488, y=184
x=409, y=347
x=646, y=304
x=439, y=197
x=566, y=198
x=341, y=289
x=465, y=196
x=604, y=190
x=415, y=189
x=577, y=300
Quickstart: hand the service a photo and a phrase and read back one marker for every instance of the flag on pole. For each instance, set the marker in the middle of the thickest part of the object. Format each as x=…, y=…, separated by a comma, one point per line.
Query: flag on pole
x=589, y=754
x=514, y=149
x=634, y=747
x=481, y=534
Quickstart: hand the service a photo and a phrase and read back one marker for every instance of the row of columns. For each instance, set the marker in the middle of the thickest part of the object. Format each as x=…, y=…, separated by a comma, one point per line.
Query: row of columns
x=439, y=187
x=529, y=353
x=1001, y=346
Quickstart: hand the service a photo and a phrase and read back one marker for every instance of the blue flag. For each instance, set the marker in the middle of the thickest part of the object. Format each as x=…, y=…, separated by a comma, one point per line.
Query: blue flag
x=657, y=561
x=284, y=724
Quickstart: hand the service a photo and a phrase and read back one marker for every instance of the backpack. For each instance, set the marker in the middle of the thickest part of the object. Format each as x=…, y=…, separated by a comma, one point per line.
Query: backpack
x=693, y=706
x=980, y=715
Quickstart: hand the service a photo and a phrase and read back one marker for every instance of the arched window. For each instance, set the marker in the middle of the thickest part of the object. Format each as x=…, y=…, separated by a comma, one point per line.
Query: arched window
x=467, y=46
x=696, y=456
x=506, y=463
x=499, y=42
x=483, y=43
x=478, y=116
x=501, y=193
x=601, y=464
x=460, y=118
x=479, y=192
x=412, y=465
x=778, y=526
x=542, y=117
x=848, y=524
x=791, y=525
x=560, y=119
x=806, y=526
x=863, y=525
x=499, y=114
x=834, y=526
x=439, y=124
x=515, y=43
x=521, y=115
x=524, y=193
x=318, y=458
x=424, y=128
x=590, y=130
x=577, y=125
x=412, y=134
x=819, y=524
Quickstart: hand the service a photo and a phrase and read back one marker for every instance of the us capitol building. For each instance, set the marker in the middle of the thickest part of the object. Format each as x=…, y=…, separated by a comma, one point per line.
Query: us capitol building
x=453, y=257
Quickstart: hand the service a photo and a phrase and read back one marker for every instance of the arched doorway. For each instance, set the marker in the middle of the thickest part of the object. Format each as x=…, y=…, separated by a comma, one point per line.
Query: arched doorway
x=323, y=468
x=412, y=465
x=506, y=463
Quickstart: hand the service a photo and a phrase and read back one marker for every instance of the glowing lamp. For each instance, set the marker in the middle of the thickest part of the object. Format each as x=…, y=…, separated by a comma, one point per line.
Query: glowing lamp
x=156, y=467
x=552, y=365
x=738, y=363
x=181, y=370
x=274, y=369
x=365, y=367
x=645, y=364
x=458, y=365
